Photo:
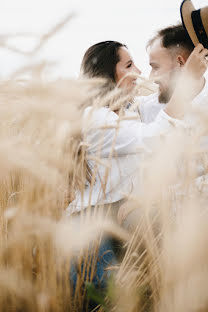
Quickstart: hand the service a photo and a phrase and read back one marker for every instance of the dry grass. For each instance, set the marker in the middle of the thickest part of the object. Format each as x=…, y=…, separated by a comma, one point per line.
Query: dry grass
x=43, y=163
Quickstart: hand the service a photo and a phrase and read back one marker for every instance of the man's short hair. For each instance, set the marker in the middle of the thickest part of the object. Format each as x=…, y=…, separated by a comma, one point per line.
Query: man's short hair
x=173, y=36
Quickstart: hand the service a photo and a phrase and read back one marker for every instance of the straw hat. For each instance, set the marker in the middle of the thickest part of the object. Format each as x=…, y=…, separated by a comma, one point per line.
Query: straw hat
x=195, y=22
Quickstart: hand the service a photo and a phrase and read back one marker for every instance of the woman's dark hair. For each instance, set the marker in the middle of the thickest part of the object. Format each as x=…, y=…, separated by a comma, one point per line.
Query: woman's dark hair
x=100, y=60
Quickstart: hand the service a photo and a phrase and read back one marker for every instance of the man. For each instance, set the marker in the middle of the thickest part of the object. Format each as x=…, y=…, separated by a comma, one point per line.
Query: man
x=168, y=52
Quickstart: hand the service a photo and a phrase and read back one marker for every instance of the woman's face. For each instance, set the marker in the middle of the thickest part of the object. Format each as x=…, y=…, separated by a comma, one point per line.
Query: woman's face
x=126, y=66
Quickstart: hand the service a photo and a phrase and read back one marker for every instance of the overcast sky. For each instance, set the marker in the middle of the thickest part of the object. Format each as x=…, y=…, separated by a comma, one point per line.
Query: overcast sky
x=132, y=22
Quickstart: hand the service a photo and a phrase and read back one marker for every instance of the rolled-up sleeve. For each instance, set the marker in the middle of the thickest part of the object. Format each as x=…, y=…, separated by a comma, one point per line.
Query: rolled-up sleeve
x=108, y=135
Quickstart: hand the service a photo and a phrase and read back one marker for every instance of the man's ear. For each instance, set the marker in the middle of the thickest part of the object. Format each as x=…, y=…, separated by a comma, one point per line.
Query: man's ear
x=181, y=60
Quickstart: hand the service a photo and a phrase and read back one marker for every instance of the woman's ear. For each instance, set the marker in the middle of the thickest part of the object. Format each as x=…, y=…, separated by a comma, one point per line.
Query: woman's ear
x=181, y=60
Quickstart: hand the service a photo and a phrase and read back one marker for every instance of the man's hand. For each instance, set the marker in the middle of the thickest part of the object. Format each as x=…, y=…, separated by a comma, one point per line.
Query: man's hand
x=197, y=63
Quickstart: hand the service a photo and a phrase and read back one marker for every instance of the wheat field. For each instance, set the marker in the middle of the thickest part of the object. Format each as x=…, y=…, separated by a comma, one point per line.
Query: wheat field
x=43, y=163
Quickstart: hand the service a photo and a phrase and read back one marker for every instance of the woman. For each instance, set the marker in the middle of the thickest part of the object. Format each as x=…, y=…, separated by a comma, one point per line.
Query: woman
x=109, y=60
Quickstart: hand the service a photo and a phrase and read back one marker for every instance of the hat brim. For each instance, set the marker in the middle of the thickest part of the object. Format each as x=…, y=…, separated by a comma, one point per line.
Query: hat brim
x=186, y=9
x=204, y=17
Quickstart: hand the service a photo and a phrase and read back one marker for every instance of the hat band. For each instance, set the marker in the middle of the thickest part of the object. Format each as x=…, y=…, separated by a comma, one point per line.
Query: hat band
x=199, y=28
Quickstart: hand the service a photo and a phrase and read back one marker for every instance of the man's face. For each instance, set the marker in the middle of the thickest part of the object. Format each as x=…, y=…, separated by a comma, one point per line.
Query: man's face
x=164, y=71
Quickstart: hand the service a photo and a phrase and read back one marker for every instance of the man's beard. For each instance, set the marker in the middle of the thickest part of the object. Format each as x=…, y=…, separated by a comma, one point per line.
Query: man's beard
x=165, y=96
